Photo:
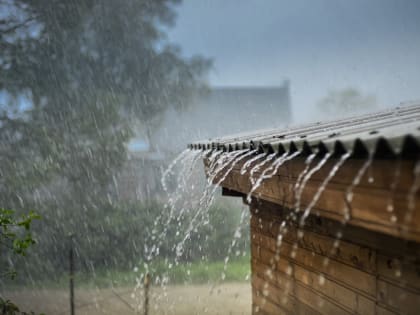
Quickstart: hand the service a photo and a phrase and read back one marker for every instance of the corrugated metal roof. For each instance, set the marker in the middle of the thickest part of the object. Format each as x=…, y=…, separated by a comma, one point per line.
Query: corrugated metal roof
x=384, y=134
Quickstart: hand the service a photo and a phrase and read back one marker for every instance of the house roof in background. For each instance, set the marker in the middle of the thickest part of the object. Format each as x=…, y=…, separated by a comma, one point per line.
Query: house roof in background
x=252, y=91
x=383, y=134
x=224, y=110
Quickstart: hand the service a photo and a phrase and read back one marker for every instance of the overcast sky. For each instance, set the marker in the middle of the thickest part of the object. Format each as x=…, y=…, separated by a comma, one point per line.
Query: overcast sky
x=319, y=45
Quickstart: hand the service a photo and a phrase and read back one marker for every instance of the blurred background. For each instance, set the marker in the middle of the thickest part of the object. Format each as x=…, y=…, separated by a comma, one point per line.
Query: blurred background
x=98, y=97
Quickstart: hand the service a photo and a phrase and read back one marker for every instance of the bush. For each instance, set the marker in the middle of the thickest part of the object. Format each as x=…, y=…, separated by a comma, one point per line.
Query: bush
x=117, y=237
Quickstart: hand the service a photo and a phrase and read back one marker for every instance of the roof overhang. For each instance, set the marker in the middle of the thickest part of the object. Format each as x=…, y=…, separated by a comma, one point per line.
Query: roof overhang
x=390, y=139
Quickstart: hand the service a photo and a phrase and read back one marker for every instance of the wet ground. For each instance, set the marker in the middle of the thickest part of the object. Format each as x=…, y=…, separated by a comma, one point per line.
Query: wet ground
x=231, y=298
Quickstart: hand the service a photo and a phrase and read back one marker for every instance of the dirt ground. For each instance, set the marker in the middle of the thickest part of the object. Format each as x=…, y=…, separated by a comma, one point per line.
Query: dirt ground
x=230, y=298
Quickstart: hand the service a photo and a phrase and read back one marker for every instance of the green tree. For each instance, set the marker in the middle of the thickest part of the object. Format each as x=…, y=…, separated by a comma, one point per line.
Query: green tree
x=15, y=235
x=346, y=101
x=76, y=76
x=15, y=238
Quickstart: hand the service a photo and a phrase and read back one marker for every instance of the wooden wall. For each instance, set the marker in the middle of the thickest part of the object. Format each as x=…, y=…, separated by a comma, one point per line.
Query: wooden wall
x=368, y=273
x=370, y=197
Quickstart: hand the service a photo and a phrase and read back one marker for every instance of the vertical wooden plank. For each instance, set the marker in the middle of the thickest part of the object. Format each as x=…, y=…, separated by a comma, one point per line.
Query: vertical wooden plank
x=401, y=300
x=359, y=279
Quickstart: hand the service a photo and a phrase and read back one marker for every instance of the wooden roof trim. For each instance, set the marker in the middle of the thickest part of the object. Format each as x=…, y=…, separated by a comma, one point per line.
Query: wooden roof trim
x=382, y=134
x=368, y=208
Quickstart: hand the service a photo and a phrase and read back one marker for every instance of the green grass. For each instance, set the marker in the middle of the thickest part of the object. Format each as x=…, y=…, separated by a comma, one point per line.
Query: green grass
x=191, y=273
x=204, y=272
x=201, y=272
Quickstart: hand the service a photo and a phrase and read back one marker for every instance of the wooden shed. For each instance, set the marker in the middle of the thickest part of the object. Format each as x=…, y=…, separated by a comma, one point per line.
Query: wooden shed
x=335, y=224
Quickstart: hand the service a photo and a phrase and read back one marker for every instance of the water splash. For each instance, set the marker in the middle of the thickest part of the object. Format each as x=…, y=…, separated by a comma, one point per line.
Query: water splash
x=168, y=171
x=274, y=167
x=283, y=227
x=348, y=198
x=187, y=159
x=236, y=237
x=229, y=159
x=323, y=185
x=248, y=163
x=213, y=161
x=393, y=187
x=308, y=162
x=258, y=166
x=182, y=167
x=241, y=157
x=218, y=167
x=182, y=186
x=222, y=162
x=306, y=178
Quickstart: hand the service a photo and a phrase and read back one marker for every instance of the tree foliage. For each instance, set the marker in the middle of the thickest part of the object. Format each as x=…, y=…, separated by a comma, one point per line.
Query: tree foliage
x=88, y=71
x=15, y=239
x=7, y=307
x=346, y=101
x=76, y=77
x=15, y=235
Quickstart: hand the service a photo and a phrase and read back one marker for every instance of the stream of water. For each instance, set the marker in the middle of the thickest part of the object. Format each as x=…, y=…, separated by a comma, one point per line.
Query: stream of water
x=258, y=167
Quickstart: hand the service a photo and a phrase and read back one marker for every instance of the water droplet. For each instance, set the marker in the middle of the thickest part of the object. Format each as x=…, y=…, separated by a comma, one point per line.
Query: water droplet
x=346, y=216
x=300, y=234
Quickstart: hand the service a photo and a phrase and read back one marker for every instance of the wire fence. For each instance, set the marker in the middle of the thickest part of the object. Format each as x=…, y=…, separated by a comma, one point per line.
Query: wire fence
x=114, y=295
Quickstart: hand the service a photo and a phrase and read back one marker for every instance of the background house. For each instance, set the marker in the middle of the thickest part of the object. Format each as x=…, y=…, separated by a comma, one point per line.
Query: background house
x=226, y=110
x=223, y=110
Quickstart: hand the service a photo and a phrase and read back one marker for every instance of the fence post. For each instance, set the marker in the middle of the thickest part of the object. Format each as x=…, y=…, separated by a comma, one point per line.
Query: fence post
x=146, y=293
x=71, y=275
